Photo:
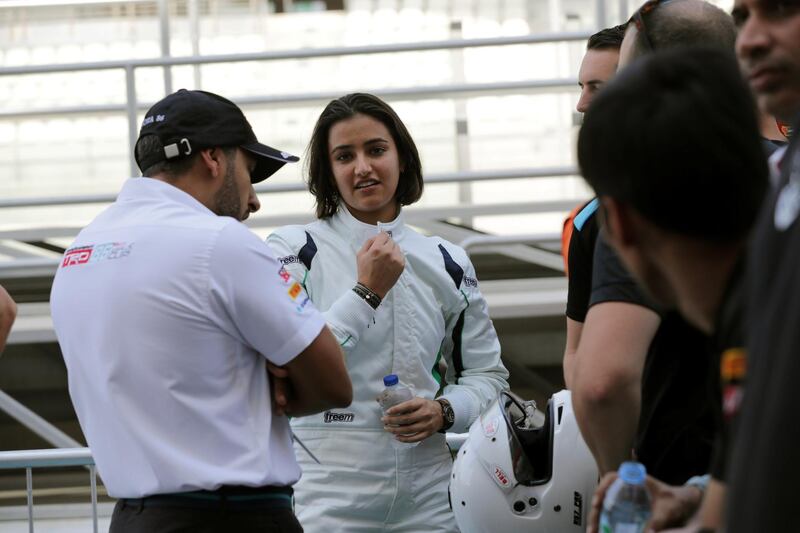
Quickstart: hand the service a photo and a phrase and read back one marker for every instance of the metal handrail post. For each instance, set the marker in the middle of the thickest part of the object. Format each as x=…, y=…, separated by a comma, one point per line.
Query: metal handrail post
x=463, y=160
x=130, y=105
x=194, y=37
x=601, y=18
x=163, y=23
x=29, y=487
x=623, y=11
x=93, y=483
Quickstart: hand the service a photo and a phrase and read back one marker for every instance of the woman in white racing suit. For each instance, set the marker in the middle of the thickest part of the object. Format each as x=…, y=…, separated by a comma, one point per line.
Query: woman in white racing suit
x=398, y=302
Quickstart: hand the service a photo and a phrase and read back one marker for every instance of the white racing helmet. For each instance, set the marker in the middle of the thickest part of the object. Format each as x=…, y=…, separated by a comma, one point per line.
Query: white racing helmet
x=523, y=470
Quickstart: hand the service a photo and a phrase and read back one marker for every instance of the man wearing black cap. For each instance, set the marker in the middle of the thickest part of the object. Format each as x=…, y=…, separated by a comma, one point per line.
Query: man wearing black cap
x=167, y=310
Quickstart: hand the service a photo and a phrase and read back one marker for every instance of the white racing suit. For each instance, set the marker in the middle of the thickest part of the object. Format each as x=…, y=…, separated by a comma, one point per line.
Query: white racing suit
x=434, y=310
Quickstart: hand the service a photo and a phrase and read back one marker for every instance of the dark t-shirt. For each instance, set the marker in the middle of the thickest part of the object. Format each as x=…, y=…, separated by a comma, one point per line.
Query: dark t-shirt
x=765, y=466
x=678, y=423
x=581, y=258
x=729, y=360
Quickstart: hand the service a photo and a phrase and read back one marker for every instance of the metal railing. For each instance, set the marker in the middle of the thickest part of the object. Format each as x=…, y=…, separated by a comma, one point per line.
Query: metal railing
x=131, y=107
x=35, y=423
x=68, y=457
x=270, y=188
x=545, y=258
x=63, y=457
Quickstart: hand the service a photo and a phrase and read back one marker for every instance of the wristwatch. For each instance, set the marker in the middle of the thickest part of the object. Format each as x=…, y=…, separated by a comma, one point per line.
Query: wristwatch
x=448, y=416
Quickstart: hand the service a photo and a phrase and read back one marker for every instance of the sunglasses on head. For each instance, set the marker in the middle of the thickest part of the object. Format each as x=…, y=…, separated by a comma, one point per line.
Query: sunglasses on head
x=638, y=20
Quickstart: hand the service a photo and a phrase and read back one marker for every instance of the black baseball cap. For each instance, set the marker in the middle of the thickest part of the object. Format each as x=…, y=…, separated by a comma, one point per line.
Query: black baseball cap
x=188, y=121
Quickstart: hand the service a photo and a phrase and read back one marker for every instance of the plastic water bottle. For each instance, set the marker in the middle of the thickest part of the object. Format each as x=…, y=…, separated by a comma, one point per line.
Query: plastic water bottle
x=626, y=507
x=395, y=392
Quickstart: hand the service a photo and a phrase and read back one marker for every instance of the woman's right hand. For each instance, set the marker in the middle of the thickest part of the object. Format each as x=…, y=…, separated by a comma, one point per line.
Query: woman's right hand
x=380, y=262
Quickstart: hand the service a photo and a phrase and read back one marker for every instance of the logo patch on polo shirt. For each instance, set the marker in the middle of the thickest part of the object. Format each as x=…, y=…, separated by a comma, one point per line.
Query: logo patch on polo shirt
x=94, y=253
x=470, y=282
x=295, y=290
x=302, y=305
x=284, y=275
x=733, y=371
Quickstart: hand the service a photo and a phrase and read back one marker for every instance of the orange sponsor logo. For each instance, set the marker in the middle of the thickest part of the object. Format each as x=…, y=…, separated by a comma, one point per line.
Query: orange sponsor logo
x=295, y=290
x=733, y=366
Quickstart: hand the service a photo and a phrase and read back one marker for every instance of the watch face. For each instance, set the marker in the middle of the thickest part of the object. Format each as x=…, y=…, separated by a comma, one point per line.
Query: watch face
x=447, y=413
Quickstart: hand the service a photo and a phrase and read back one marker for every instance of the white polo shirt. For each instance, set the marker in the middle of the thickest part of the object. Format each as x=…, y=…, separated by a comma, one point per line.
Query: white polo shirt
x=165, y=314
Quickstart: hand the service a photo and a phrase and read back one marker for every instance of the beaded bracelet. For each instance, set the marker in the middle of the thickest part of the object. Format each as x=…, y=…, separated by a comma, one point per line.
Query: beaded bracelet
x=369, y=296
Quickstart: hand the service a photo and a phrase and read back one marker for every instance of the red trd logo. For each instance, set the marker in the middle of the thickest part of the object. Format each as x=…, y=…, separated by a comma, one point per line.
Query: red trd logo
x=77, y=256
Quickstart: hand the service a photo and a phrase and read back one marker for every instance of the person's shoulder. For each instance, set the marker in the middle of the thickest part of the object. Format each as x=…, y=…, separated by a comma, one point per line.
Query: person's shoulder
x=298, y=244
x=455, y=259
x=586, y=217
x=434, y=246
x=231, y=233
x=200, y=229
x=439, y=246
x=293, y=234
x=298, y=234
x=445, y=262
x=611, y=280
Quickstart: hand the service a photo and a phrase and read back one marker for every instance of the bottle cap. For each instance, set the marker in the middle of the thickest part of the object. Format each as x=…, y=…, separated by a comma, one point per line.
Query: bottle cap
x=391, y=380
x=632, y=473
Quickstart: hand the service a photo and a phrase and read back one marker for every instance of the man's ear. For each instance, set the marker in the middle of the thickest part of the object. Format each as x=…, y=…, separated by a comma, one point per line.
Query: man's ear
x=620, y=222
x=213, y=160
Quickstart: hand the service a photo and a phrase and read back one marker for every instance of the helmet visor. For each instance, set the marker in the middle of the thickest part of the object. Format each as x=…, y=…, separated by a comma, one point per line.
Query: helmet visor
x=530, y=436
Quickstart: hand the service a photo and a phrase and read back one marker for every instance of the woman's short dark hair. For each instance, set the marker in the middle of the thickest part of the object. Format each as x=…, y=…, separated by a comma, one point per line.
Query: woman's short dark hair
x=318, y=166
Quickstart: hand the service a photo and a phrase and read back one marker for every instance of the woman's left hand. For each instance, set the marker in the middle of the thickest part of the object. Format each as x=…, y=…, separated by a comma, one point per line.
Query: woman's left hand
x=414, y=420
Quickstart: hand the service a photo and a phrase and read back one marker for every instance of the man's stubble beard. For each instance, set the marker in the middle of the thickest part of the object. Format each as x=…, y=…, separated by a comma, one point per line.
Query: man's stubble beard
x=226, y=201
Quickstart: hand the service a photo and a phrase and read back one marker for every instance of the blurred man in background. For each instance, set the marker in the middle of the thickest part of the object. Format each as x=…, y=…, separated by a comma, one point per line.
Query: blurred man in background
x=689, y=257
x=579, y=233
x=765, y=465
x=580, y=228
x=641, y=372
